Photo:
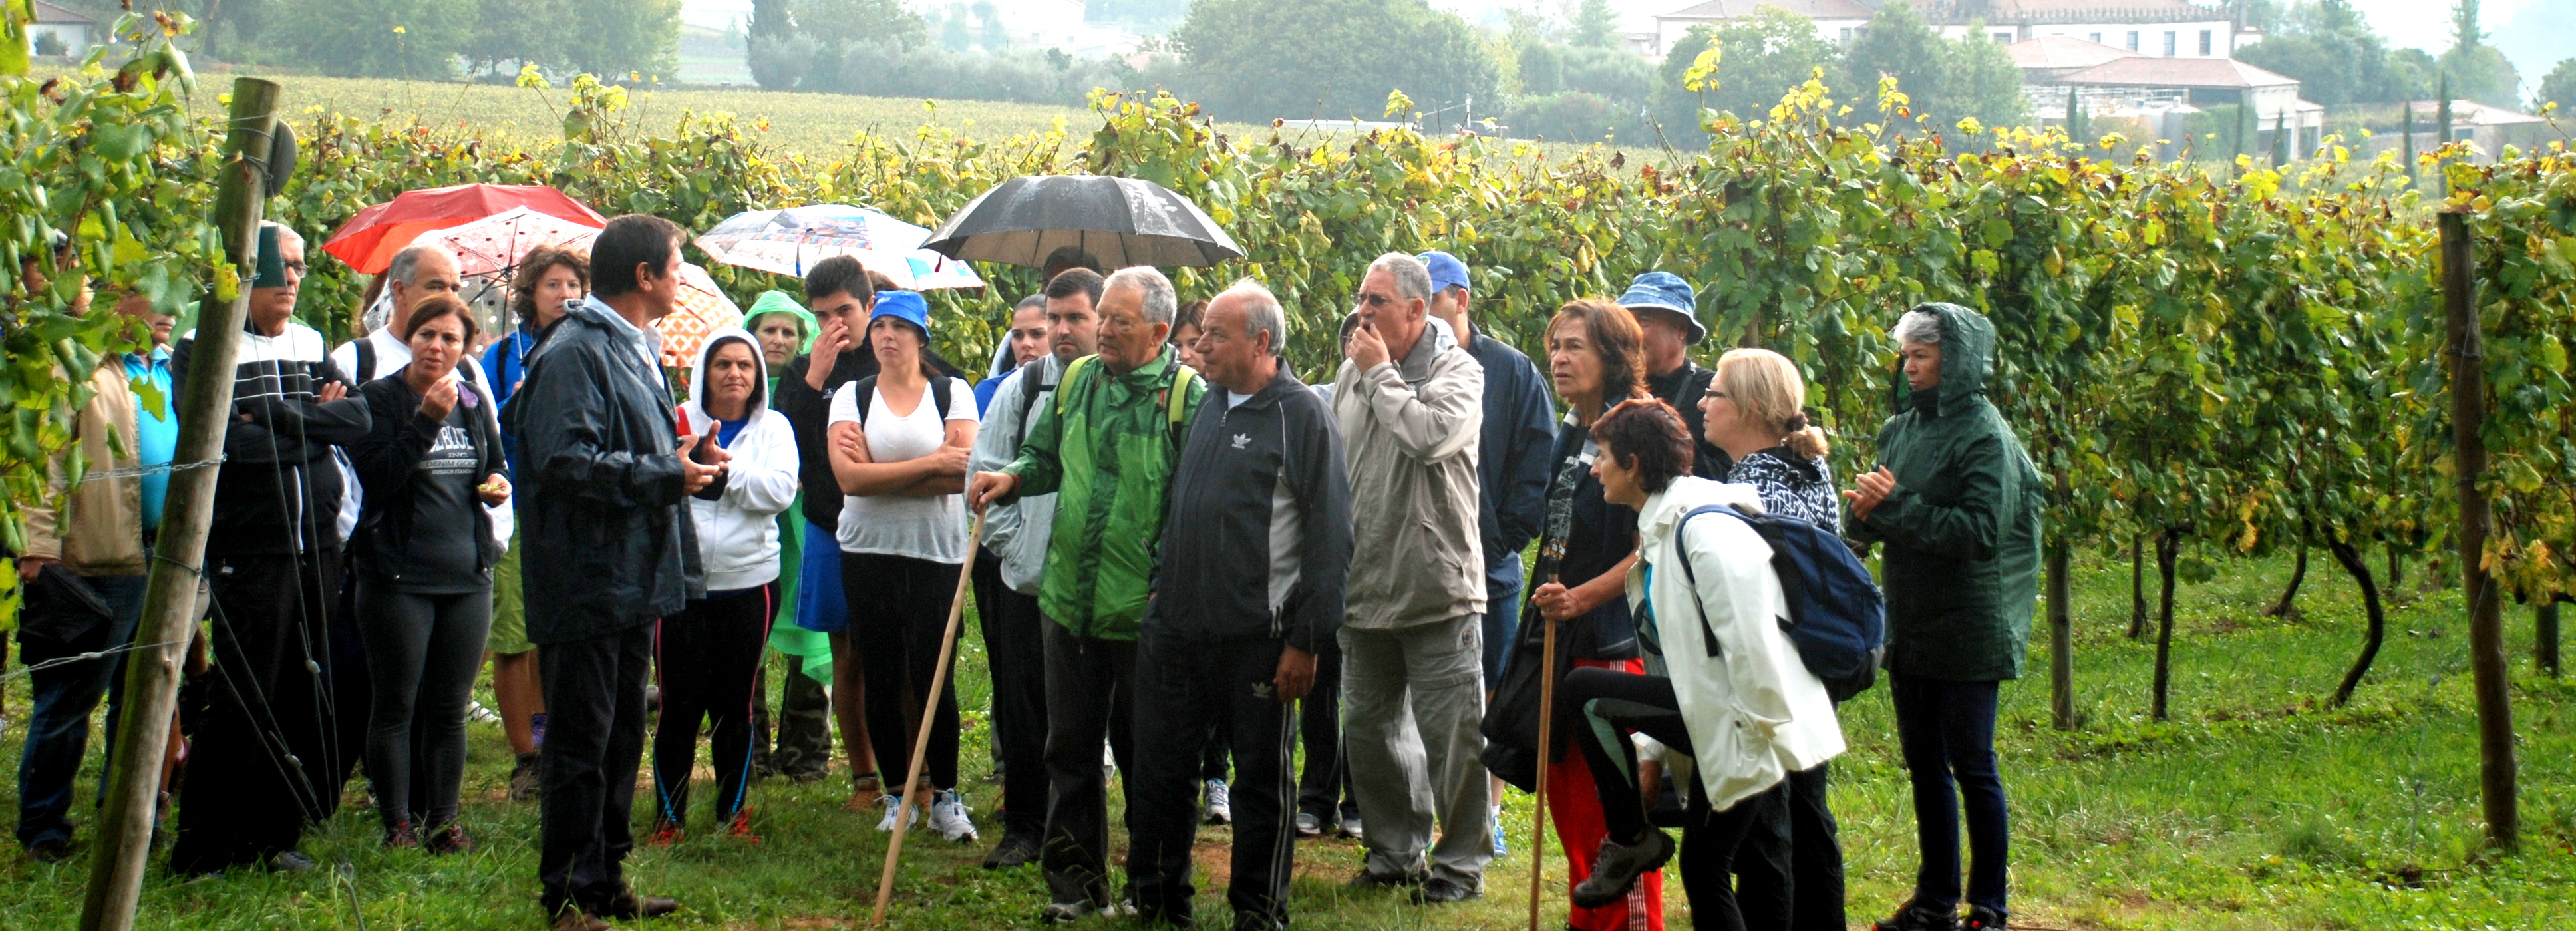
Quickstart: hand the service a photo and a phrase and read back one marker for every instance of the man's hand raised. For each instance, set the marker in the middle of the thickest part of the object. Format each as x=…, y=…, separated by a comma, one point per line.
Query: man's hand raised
x=696, y=475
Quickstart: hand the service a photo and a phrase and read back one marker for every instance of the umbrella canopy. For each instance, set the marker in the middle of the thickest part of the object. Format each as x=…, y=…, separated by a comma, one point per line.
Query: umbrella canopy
x=703, y=309
x=790, y=240
x=369, y=240
x=495, y=244
x=1120, y=221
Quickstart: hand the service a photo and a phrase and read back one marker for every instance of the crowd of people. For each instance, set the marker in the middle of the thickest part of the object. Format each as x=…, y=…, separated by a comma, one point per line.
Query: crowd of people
x=1182, y=557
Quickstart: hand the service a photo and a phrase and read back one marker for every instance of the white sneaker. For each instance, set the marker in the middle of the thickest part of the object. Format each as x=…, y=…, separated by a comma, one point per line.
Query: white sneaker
x=892, y=804
x=1220, y=803
x=948, y=816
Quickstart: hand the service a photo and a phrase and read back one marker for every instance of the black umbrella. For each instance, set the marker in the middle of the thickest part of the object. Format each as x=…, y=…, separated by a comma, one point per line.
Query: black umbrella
x=1119, y=221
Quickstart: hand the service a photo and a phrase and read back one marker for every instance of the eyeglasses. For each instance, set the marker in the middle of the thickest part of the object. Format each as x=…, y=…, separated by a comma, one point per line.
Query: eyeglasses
x=298, y=268
x=1376, y=301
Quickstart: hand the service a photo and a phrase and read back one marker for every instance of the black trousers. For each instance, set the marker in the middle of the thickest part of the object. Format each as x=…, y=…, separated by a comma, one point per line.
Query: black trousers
x=1015, y=648
x=1711, y=843
x=898, y=617
x=1185, y=691
x=1803, y=856
x=594, y=741
x=349, y=712
x=1090, y=696
x=422, y=653
x=1324, y=785
x=1751, y=835
x=259, y=763
x=709, y=656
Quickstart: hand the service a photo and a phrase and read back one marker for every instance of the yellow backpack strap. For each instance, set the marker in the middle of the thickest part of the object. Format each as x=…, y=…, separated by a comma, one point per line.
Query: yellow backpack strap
x=1064, y=386
x=1180, y=394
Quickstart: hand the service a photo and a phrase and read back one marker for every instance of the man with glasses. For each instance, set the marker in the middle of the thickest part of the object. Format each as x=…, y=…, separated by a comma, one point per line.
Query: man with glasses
x=1411, y=410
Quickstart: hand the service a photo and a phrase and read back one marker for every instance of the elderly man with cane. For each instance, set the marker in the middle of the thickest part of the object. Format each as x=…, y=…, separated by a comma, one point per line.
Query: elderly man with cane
x=1251, y=586
x=606, y=494
x=1411, y=408
x=1105, y=444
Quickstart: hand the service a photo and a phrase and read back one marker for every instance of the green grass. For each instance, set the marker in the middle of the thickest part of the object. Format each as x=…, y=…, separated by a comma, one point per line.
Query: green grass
x=2253, y=808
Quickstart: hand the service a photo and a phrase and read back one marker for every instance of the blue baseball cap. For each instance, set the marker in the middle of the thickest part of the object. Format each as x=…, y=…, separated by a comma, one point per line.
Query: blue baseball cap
x=1667, y=292
x=1446, y=271
x=903, y=305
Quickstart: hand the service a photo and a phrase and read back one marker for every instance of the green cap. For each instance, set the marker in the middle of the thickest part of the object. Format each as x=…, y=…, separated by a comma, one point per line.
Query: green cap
x=779, y=302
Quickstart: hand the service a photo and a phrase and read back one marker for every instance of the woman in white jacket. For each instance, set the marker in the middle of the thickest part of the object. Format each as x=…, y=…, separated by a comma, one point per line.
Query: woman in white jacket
x=1726, y=702
x=708, y=655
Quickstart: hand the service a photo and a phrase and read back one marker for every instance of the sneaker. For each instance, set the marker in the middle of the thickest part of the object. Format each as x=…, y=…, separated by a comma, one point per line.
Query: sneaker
x=740, y=826
x=446, y=839
x=949, y=817
x=1494, y=824
x=574, y=919
x=523, y=778
x=666, y=832
x=1617, y=870
x=1308, y=825
x=1914, y=917
x=1016, y=849
x=892, y=805
x=1351, y=828
x=1371, y=879
x=50, y=850
x=1981, y=918
x=289, y=862
x=1442, y=891
x=1220, y=803
x=400, y=837
x=1061, y=913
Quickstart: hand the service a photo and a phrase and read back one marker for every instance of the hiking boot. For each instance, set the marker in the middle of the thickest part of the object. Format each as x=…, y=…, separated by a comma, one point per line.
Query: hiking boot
x=1917, y=918
x=949, y=817
x=50, y=850
x=1016, y=849
x=1371, y=879
x=288, y=862
x=1441, y=891
x=1308, y=825
x=629, y=905
x=895, y=804
x=446, y=839
x=574, y=919
x=1981, y=918
x=665, y=833
x=1617, y=870
x=1220, y=803
x=400, y=836
x=740, y=826
x=523, y=778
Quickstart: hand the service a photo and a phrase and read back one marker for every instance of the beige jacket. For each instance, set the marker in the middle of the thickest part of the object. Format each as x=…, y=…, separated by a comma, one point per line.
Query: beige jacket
x=100, y=528
x=1410, y=430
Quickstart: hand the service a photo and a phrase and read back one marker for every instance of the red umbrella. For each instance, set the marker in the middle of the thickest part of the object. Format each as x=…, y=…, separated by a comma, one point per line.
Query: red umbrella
x=370, y=239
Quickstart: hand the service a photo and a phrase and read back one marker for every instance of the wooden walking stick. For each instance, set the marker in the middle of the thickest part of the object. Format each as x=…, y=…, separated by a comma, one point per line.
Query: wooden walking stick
x=921, y=741
x=1546, y=728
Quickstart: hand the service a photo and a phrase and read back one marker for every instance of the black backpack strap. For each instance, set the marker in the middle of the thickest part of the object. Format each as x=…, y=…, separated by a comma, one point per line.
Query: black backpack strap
x=366, y=359
x=1707, y=635
x=1031, y=374
x=939, y=396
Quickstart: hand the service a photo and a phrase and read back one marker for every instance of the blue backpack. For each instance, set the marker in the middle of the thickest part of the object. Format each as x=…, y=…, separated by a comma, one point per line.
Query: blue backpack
x=1835, y=616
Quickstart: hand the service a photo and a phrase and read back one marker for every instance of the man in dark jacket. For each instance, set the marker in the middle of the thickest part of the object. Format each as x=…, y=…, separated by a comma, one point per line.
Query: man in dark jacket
x=273, y=567
x=1957, y=502
x=1250, y=588
x=1668, y=311
x=604, y=498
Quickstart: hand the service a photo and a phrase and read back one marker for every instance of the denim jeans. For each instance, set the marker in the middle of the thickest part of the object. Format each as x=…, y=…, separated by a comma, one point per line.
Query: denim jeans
x=1502, y=623
x=58, y=729
x=1947, y=730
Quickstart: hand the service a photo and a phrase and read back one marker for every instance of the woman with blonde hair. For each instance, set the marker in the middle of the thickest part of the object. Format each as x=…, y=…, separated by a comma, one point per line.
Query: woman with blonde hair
x=1756, y=410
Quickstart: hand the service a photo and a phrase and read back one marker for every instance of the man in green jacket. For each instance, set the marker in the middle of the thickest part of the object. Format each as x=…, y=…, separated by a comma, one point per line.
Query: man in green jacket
x=1105, y=444
x=1957, y=502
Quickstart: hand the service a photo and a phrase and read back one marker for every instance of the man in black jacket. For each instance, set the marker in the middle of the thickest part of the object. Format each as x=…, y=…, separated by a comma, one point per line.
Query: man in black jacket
x=1253, y=559
x=605, y=498
x=273, y=566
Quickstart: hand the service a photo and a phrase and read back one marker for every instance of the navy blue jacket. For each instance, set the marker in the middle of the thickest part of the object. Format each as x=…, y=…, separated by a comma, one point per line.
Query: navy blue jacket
x=1512, y=456
x=1244, y=471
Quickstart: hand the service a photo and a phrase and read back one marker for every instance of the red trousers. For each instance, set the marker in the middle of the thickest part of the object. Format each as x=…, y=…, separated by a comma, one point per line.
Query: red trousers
x=1575, y=805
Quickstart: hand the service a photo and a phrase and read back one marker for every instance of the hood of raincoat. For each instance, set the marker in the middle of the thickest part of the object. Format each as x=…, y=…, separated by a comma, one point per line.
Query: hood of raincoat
x=780, y=302
x=707, y=350
x=1967, y=360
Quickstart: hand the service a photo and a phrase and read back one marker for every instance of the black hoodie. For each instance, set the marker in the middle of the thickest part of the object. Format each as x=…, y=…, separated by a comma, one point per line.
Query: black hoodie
x=1255, y=475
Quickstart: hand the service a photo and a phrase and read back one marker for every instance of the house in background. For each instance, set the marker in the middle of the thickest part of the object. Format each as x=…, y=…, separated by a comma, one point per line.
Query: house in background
x=2158, y=28
x=2488, y=130
x=75, y=32
x=2160, y=97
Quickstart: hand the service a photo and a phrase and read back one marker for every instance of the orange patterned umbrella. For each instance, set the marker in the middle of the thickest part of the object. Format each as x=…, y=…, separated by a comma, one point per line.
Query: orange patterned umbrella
x=703, y=309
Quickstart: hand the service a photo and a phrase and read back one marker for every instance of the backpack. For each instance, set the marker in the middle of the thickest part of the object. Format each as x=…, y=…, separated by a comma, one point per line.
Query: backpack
x=863, y=387
x=1836, y=618
x=1174, y=398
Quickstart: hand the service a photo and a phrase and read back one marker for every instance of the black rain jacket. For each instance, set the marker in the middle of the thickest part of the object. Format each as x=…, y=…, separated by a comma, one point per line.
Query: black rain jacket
x=1215, y=576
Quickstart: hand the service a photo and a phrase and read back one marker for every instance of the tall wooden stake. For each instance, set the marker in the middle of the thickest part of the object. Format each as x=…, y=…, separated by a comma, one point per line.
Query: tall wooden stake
x=2544, y=646
x=2485, y=597
x=170, y=598
x=921, y=742
x=2061, y=627
x=1546, y=729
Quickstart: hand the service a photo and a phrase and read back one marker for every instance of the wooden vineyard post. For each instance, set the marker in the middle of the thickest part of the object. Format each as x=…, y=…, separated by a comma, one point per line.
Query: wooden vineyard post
x=2485, y=597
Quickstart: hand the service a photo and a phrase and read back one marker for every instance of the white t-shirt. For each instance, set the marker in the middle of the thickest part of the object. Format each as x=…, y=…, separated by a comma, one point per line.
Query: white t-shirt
x=900, y=525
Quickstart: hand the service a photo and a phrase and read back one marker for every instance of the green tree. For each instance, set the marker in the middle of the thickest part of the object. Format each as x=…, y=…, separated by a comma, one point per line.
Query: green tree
x=990, y=33
x=618, y=38
x=375, y=38
x=954, y=32
x=2479, y=71
x=2337, y=58
x=2558, y=87
x=509, y=32
x=1761, y=57
x=1542, y=68
x=773, y=27
x=1594, y=25
x=852, y=22
x=1947, y=80
x=1256, y=60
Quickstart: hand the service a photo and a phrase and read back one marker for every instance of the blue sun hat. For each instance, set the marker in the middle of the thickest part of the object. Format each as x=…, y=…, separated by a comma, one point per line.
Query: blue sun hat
x=903, y=305
x=1667, y=292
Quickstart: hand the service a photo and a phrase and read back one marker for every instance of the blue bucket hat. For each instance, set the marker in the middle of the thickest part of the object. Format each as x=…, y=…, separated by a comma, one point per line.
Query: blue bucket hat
x=902, y=305
x=1667, y=292
x=1446, y=271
